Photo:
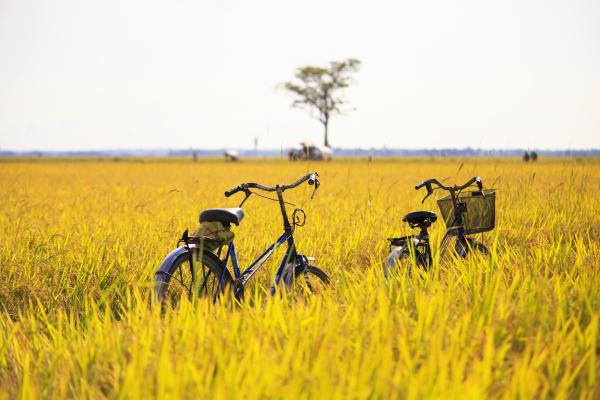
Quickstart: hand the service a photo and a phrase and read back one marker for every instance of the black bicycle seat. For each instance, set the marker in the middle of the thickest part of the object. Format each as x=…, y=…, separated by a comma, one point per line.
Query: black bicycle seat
x=225, y=215
x=420, y=218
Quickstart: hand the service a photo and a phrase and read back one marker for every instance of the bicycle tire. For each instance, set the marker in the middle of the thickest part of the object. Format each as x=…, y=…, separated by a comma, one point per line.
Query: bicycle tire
x=474, y=245
x=303, y=277
x=167, y=293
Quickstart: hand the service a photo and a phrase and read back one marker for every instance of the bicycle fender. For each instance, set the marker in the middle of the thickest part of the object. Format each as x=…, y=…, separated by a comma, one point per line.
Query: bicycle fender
x=165, y=266
x=392, y=259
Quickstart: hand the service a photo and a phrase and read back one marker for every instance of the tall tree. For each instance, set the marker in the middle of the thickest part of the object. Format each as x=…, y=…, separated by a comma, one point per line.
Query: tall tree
x=318, y=89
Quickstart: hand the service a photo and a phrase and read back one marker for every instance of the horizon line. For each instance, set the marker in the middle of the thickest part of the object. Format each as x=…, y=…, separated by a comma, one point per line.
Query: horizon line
x=273, y=149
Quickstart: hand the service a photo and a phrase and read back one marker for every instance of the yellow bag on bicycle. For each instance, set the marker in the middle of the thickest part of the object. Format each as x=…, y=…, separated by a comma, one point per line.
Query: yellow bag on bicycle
x=214, y=234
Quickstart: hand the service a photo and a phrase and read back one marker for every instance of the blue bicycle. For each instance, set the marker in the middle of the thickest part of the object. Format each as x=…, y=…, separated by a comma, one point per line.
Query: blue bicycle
x=192, y=270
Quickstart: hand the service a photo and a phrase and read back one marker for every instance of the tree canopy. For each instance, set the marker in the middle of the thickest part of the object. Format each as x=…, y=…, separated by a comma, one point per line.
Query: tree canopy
x=318, y=89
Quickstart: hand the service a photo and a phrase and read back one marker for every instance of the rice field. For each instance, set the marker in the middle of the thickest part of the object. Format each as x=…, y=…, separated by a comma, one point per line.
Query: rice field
x=80, y=241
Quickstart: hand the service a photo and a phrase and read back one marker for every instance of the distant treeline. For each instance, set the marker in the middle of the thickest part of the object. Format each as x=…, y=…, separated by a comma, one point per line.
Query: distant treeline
x=468, y=152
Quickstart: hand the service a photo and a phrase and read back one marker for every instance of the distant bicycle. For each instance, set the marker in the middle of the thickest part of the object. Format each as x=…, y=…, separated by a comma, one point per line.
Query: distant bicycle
x=465, y=213
x=193, y=270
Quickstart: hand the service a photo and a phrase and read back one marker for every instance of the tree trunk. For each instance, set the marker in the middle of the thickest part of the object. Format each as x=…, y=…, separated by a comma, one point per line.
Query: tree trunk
x=325, y=126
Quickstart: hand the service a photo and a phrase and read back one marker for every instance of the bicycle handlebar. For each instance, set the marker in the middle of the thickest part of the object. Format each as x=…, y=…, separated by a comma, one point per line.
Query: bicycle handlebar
x=311, y=177
x=420, y=185
x=471, y=181
x=454, y=188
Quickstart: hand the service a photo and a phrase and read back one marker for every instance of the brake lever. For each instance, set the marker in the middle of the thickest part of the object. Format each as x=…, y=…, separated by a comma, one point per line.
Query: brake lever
x=248, y=193
x=429, y=192
x=317, y=184
x=480, y=185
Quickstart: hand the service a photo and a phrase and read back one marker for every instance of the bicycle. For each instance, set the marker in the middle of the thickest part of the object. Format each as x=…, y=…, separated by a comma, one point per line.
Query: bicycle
x=181, y=264
x=465, y=213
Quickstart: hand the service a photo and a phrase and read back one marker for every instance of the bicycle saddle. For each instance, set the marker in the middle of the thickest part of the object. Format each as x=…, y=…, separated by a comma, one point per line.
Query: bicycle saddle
x=420, y=218
x=225, y=215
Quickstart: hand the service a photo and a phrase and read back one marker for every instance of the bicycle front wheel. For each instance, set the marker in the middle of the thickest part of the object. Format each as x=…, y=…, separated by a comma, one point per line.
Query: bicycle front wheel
x=466, y=247
x=310, y=279
x=475, y=247
x=187, y=278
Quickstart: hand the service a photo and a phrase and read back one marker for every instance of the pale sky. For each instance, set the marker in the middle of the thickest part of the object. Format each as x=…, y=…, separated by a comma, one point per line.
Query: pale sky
x=138, y=74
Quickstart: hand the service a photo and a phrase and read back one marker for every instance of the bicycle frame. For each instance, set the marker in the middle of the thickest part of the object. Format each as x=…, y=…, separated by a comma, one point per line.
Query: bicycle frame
x=242, y=277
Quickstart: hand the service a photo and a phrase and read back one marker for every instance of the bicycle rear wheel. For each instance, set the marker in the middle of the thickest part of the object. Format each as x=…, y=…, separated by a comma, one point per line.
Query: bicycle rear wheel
x=187, y=279
x=397, y=258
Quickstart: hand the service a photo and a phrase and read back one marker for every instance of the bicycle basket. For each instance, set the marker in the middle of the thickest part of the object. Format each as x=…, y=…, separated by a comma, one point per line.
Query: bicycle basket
x=480, y=215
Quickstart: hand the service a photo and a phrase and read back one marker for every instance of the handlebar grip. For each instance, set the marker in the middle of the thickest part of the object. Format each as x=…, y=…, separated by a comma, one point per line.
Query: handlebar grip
x=420, y=185
x=313, y=180
x=233, y=191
